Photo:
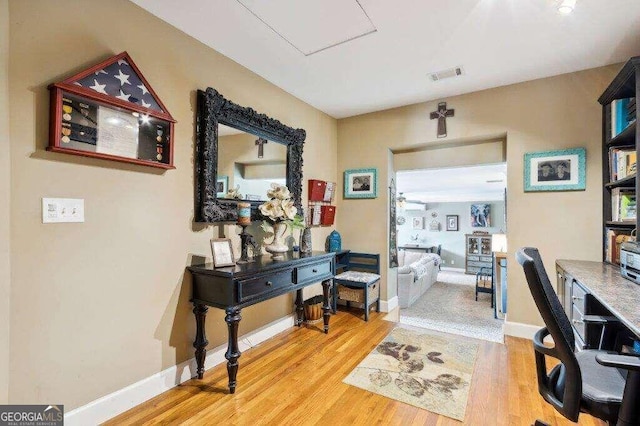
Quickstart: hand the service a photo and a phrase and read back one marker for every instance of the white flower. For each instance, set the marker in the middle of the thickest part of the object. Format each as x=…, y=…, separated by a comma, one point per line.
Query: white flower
x=289, y=209
x=272, y=209
x=280, y=192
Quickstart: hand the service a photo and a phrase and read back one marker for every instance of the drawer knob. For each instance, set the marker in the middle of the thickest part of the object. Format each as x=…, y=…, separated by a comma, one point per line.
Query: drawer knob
x=269, y=283
x=578, y=322
x=577, y=298
x=314, y=270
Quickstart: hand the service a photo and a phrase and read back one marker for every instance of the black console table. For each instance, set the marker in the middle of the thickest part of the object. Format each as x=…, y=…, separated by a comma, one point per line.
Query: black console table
x=243, y=285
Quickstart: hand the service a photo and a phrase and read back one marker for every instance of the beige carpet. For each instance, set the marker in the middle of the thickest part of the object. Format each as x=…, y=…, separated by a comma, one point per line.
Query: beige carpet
x=427, y=369
x=449, y=306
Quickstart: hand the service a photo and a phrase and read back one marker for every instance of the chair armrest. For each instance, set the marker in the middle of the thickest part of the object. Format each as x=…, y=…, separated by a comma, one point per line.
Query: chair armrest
x=599, y=319
x=538, y=343
x=626, y=362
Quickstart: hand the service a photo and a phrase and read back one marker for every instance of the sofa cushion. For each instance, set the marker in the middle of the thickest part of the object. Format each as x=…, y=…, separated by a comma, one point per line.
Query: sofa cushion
x=419, y=268
x=412, y=256
x=404, y=269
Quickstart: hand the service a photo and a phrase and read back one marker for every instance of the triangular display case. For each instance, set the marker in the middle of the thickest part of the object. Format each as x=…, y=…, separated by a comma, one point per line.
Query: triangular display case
x=110, y=111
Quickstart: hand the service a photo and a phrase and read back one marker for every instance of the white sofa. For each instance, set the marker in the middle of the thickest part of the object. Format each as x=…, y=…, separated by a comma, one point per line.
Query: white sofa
x=417, y=271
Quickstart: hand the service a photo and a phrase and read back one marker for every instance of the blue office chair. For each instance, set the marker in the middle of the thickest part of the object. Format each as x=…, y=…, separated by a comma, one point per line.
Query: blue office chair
x=586, y=381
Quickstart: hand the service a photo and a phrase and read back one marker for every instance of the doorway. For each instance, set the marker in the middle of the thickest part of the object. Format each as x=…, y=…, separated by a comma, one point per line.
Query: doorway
x=451, y=228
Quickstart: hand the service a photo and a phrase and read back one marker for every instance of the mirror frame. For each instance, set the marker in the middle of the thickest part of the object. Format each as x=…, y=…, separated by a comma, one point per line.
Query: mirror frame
x=213, y=108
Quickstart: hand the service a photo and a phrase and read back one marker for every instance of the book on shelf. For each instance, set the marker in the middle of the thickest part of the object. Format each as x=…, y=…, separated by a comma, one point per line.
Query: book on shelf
x=623, y=204
x=623, y=163
x=620, y=115
x=612, y=241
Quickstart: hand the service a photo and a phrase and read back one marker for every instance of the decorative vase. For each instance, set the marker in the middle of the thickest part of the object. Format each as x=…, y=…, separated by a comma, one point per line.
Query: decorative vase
x=278, y=247
x=334, y=242
x=305, y=240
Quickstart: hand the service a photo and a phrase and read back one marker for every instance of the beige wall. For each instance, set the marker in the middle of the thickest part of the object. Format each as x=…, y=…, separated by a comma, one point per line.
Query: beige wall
x=553, y=113
x=5, y=176
x=100, y=305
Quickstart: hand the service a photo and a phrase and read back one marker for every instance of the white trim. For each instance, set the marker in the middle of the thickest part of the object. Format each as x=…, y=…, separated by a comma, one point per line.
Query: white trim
x=389, y=305
x=517, y=329
x=102, y=409
x=451, y=269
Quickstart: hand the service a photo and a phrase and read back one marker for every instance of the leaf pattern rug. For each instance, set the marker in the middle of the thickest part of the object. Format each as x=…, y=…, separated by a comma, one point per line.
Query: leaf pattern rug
x=423, y=368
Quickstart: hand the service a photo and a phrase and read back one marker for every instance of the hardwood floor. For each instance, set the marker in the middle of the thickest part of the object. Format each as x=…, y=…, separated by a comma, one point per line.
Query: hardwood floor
x=296, y=378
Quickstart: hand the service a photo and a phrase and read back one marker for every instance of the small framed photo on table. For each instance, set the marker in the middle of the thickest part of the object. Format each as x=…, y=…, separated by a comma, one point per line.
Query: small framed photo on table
x=563, y=170
x=360, y=183
x=222, y=252
x=452, y=222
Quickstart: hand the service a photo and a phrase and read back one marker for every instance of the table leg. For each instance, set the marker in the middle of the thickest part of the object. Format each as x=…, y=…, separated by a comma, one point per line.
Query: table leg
x=232, y=318
x=299, y=308
x=201, y=342
x=326, y=308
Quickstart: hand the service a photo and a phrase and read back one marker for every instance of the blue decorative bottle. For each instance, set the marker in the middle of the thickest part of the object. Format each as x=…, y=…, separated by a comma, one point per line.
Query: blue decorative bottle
x=334, y=242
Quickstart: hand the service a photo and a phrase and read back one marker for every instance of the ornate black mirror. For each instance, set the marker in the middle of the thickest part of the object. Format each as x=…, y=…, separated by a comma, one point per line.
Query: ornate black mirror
x=222, y=124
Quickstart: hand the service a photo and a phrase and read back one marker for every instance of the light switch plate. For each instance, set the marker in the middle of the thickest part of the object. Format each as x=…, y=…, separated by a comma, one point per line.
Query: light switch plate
x=59, y=210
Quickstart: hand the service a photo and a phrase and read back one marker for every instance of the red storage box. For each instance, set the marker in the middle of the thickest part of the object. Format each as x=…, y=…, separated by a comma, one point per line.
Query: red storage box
x=316, y=189
x=328, y=215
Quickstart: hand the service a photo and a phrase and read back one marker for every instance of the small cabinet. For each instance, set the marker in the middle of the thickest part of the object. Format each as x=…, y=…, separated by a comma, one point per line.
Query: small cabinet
x=477, y=252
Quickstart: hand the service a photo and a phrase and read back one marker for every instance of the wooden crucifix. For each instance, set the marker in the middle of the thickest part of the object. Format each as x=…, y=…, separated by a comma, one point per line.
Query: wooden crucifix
x=260, y=143
x=441, y=114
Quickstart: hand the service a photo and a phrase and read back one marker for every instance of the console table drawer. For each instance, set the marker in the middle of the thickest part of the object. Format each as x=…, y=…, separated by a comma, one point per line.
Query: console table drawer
x=578, y=322
x=319, y=271
x=248, y=289
x=479, y=264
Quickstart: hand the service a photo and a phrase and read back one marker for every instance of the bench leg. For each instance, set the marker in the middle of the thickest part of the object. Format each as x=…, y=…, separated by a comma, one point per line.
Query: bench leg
x=378, y=304
x=366, y=303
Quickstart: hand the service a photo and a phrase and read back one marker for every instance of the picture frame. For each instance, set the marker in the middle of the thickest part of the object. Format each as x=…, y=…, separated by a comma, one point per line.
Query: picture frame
x=452, y=222
x=561, y=170
x=480, y=215
x=417, y=222
x=222, y=252
x=222, y=186
x=361, y=183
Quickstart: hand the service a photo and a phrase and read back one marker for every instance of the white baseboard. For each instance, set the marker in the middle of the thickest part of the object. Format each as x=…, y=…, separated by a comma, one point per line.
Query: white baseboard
x=517, y=329
x=115, y=403
x=389, y=305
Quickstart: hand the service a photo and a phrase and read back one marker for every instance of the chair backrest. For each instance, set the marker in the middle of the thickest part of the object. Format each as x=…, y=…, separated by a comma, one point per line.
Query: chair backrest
x=363, y=262
x=564, y=391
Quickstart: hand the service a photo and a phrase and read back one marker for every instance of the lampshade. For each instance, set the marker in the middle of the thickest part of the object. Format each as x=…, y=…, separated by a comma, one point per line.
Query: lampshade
x=499, y=243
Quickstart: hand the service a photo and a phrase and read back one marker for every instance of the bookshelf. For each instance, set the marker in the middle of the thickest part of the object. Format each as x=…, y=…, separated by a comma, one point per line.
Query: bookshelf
x=620, y=142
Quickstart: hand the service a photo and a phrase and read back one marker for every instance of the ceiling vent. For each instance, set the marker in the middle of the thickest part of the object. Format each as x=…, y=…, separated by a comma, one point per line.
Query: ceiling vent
x=448, y=73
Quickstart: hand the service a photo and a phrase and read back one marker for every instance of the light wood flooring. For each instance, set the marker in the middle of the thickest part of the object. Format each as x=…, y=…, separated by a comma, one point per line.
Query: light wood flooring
x=295, y=378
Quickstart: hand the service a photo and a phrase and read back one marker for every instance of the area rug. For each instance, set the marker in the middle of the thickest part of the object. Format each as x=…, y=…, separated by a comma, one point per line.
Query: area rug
x=449, y=306
x=426, y=369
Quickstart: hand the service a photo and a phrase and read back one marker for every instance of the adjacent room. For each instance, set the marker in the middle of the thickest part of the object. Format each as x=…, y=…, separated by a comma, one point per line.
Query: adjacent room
x=450, y=227
x=319, y=212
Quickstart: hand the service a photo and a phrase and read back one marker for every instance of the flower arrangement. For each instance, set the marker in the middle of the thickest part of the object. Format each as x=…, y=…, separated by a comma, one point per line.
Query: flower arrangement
x=280, y=206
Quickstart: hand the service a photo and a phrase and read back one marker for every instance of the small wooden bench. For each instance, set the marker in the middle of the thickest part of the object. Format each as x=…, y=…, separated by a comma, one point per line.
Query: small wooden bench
x=360, y=281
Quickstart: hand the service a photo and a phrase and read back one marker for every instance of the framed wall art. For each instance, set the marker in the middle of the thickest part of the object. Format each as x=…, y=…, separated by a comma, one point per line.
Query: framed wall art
x=360, y=183
x=110, y=111
x=480, y=215
x=222, y=186
x=562, y=170
x=452, y=222
x=417, y=222
x=222, y=252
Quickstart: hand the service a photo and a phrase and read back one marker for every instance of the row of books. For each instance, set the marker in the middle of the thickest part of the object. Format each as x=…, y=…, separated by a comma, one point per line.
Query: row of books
x=612, y=241
x=623, y=113
x=623, y=162
x=623, y=204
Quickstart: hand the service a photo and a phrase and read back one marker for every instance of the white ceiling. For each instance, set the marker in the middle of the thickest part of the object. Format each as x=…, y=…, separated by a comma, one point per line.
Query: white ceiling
x=498, y=42
x=455, y=184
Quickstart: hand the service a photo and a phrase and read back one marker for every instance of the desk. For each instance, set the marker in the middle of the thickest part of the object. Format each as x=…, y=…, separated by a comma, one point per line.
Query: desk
x=239, y=286
x=580, y=281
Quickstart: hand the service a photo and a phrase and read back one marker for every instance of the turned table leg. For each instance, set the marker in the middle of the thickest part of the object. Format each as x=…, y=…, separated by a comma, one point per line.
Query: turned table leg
x=326, y=307
x=201, y=342
x=232, y=318
x=299, y=308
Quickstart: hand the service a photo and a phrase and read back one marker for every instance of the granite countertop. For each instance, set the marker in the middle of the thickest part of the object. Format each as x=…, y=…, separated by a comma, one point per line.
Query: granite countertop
x=618, y=294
